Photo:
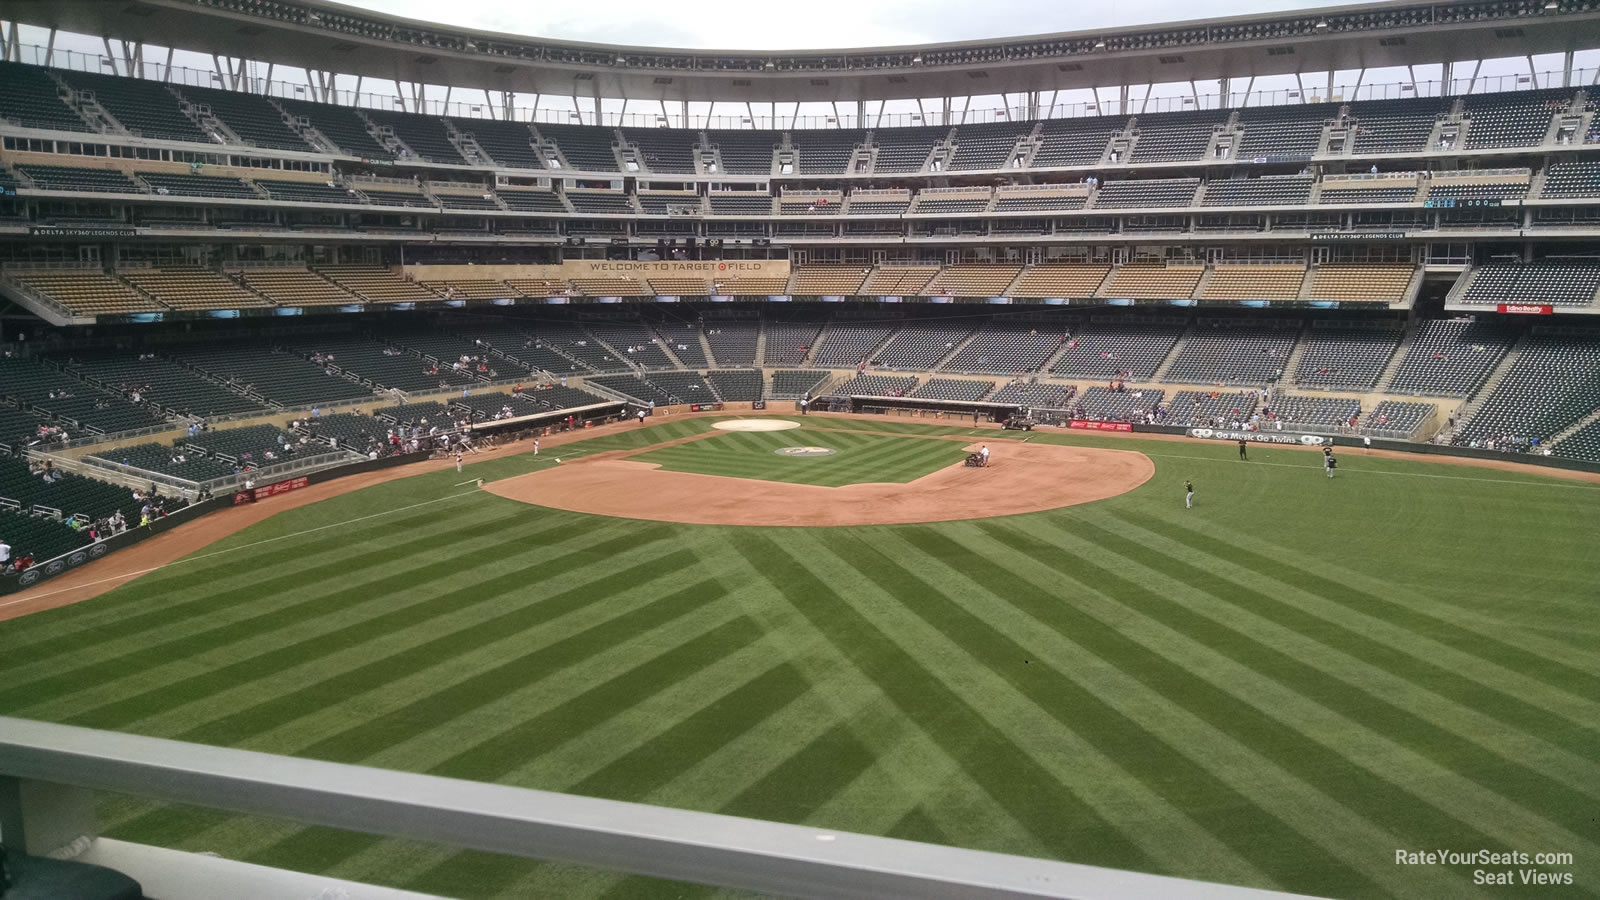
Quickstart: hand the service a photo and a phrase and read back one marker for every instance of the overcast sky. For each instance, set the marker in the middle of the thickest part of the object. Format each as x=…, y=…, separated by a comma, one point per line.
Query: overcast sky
x=808, y=24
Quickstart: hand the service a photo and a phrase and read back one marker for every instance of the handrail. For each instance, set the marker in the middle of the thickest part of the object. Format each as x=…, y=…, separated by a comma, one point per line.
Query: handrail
x=726, y=851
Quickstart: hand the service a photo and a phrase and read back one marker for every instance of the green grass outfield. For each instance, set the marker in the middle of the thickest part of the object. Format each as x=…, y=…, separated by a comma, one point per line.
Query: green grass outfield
x=1278, y=688
x=859, y=456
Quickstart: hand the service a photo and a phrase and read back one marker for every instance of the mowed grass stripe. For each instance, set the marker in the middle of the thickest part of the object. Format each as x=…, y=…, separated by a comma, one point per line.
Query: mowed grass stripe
x=1473, y=643
x=316, y=848
x=1336, y=776
x=165, y=652
x=123, y=619
x=1411, y=667
x=1266, y=841
x=1052, y=814
x=278, y=710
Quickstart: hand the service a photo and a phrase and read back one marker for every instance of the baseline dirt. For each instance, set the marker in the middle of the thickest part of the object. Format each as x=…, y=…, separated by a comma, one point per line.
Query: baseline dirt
x=1021, y=478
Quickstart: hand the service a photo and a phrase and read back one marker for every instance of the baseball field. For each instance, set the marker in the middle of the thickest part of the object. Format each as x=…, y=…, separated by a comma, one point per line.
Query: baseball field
x=1281, y=687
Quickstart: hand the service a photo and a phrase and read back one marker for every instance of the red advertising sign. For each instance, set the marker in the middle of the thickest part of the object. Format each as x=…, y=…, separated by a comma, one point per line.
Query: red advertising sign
x=1525, y=309
x=705, y=407
x=274, y=489
x=1099, y=426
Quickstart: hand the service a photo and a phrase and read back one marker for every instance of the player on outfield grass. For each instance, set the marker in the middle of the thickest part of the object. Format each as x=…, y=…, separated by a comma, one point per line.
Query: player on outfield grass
x=1242, y=453
x=1188, y=495
x=1327, y=460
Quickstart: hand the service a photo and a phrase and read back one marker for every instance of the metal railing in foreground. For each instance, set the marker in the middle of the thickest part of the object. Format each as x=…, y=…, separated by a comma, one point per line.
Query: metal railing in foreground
x=47, y=772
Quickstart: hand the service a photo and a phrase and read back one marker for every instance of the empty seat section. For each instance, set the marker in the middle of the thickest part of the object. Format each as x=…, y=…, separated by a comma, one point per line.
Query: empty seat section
x=1154, y=281
x=306, y=191
x=1395, y=126
x=1127, y=350
x=682, y=339
x=1174, y=137
x=874, y=386
x=145, y=108
x=899, y=280
x=613, y=203
x=985, y=146
x=161, y=381
x=635, y=388
x=531, y=201
x=1248, y=282
x=1346, y=357
x=1006, y=349
x=385, y=367
x=250, y=116
x=1361, y=282
x=1228, y=352
x=339, y=124
x=1037, y=395
x=87, y=292
x=1068, y=280
x=1149, y=194
x=72, y=178
x=85, y=407
x=919, y=348
x=789, y=343
x=1553, y=382
x=633, y=342
x=508, y=144
x=33, y=99
x=1217, y=409
x=743, y=204
x=1272, y=190
x=1283, y=133
x=585, y=148
x=733, y=342
x=387, y=194
x=296, y=287
x=972, y=280
x=1572, y=179
x=744, y=152
x=665, y=150
x=905, y=150
x=959, y=389
x=683, y=387
x=198, y=186
x=1075, y=142
x=192, y=288
x=1451, y=357
x=792, y=384
x=1314, y=412
x=1512, y=118
x=737, y=385
x=376, y=284
x=1546, y=283
x=753, y=285
x=1398, y=417
x=829, y=280
x=425, y=135
x=935, y=205
x=1105, y=405
x=825, y=151
x=848, y=344
x=279, y=377
x=1367, y=192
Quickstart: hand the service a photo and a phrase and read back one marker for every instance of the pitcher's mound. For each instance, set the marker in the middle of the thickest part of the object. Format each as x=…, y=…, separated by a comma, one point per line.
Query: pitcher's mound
x=755, y=425
x=1022, y=478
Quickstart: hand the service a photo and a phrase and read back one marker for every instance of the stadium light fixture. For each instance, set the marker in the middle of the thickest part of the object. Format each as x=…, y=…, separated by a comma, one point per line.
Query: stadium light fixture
x=1099, y=45
x=1322, y=25
x=1552, y=5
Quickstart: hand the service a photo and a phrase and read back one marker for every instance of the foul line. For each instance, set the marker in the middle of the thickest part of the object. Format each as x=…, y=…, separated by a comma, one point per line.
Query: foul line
x=270, y=540
x=1556, y=483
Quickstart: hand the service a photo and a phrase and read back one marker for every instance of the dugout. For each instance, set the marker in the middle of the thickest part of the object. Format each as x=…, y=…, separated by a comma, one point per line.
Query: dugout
x=918, y=407
x=556, y=420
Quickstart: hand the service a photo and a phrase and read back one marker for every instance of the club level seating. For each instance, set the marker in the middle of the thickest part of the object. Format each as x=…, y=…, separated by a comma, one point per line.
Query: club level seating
x=683, y=339
x=919, y=349
x=1545, y=283
x=747, y=204
x=467, y=201
x=744, y=152
x=40, y=538
x=159, y=381
x=1232, y=353
x=1060, y=280
x=470, y=288
x=584, y=148
x=1572, y=179
x=424, y=135
x=662, y=204
x=86, y=407
x=1209, y=408
x=1451, y=357
x=1152, y=193
x=1272, y=190
x=366, y=360
x=1513, y=118
x=733, y=342
x=829, y=280
x=665, y=150
x=878, y=207
x=1154, y=281
x=1058, y=203
x=144, y=108
x=894, y=281
x=377, y=284
x=531, y=201
x=737, y=385
x=753, y=285
x=1250, y=282
x=680, y=286
x=953, y=389
x=985, y=146
x=792, y=384
x=33, y=99
x=1360, y=282
x=539, y=287
x=1174, y=137
x=509, y=144
x=874, y=386
x=1105, y=405
x=1581, y=444
x=809, y=206
x=87, y=293
x=789, y=343
x=846, y=344
x=1337, y=193
x=1553, y=382
x=934, y=206
x=1005, y=349
x=1036, y=396
x=636, y=388
x=396, y=196
x=825, y=151
x=192, y=288
x=633, y=342
x=611, y=286
x=972, y=280
x=1499, y=191
x=601, y=203
x=1397, y=416
x=199, y=186
x=251, y=117
x=280, y=377
x=1395, y=126
x=71, y=178
x=1283, y=133
x=1346, y=357
x=1129, y=350
x=306, y=191
x=684, y=387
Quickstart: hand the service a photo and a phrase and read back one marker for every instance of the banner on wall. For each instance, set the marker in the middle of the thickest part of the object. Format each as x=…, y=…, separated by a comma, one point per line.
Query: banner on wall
x=1099, y=426
x=1260, y=437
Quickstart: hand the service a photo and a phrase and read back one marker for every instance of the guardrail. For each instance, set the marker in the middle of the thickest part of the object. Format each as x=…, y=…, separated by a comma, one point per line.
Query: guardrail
x=48, y=773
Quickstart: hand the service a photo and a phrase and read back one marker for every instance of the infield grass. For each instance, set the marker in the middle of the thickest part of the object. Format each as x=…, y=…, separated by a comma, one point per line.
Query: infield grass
x=1280, y=687
x=858, y=457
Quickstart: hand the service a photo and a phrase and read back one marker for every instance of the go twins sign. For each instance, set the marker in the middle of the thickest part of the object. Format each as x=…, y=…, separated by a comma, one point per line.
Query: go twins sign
x=1260, y=437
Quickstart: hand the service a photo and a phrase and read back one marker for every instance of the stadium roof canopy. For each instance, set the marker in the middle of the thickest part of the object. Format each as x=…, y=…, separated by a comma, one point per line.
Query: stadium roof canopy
x=322, y=36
